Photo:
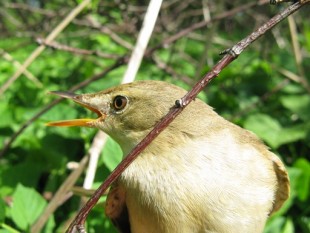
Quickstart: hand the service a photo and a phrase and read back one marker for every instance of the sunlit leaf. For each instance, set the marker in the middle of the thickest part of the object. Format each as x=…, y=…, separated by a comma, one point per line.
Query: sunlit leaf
x=27, y=206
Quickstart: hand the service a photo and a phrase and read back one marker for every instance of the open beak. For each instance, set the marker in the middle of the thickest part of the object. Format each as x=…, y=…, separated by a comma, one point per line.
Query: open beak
x=76, y=122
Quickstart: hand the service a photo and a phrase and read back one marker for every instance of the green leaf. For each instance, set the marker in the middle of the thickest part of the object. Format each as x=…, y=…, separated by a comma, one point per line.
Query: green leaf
x=305, y=223
x=27, y=206
x=275, y=225
x=298, y=104
x=303, y=185
x=2, y=210
x=288, y=226
x=292, y=134
x=270, y=130
x=112, y=154
x=25, y=173
x=265, y=127
x=7, y=229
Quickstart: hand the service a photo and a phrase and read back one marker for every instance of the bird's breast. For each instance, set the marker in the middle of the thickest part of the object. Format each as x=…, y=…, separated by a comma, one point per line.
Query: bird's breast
x=199, y=185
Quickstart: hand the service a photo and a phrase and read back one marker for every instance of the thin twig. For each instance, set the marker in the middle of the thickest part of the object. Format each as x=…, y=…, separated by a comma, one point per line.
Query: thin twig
x=204, y=23
x=105, y=30
x=40, y=49
x=297, y=53
x=169, y=70
x=26, y=72
x=142, y=41
x=100, y=75
x=58, y=197
x=58, y=46
x=28, y=7
x=79, y=221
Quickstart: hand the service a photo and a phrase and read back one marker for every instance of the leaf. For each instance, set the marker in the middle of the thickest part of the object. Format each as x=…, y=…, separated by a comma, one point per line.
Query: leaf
x=27, y=206
x=288, y=226
x=292, y=134
x=265, y=127
x=275, y=225
x=26, y=173
x=303, y=185
x=7, y=229
x=2, y=210
x=270, y=130
x=305, y=223
x=298, y=104
x=112, y=154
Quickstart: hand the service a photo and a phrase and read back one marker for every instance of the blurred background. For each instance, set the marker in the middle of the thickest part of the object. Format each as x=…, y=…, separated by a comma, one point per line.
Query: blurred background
x=266, y=90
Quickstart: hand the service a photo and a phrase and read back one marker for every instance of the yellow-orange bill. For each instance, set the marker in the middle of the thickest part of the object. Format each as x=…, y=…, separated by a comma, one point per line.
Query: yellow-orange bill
x=69, y=123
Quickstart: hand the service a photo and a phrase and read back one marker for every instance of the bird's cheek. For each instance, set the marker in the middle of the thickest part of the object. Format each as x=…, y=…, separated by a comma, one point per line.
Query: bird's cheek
x=100, y=121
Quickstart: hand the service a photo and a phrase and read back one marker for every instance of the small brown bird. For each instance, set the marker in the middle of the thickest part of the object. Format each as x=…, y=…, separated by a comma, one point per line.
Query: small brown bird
x=201, y=174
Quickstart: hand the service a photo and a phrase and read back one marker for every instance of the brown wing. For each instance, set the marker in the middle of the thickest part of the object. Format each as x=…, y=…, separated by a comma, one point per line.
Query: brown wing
x=283, y=191
x=116, y=208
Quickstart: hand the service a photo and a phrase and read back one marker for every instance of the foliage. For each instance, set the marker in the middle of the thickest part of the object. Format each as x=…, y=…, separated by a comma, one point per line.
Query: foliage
x=266, y=90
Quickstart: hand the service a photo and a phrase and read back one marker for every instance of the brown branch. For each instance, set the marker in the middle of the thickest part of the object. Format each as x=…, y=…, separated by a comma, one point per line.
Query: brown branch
x=169, y=70
x=105, y=30
x=78, y=223
x=204, y=23
x=27, y=7
x=58, y=46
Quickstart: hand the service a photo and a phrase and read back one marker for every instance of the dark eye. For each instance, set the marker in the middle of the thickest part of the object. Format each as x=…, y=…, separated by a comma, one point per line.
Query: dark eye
x=119, y=102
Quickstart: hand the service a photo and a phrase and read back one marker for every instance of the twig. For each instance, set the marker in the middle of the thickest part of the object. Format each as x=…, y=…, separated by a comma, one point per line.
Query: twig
x=27, y=73
x=94, y=153
x=204, y=23
x=32, y=9
x=58, y=197
x=261, y=99
x=8, y=143
x=79, y=51
x=163, y=66
x=143, y=39
x=297, y=53
x=40, y=49
x=79, y=221
x=105, y=30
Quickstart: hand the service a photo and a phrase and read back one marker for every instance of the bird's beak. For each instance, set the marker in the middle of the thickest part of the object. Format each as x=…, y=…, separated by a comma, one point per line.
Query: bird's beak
x=82, y=101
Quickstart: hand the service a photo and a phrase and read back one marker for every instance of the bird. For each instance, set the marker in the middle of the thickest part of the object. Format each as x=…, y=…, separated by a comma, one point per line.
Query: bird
x=200, y=174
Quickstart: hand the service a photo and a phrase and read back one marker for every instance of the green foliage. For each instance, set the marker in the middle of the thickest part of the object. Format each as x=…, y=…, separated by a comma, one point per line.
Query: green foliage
x=270, y=130
x=253, y=92
x=27, y=206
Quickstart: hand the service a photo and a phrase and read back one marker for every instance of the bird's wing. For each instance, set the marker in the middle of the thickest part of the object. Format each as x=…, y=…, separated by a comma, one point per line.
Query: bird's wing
x=116, y=208
x=283, y=189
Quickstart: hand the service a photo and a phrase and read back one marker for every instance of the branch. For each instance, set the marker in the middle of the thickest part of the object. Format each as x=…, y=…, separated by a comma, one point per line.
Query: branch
x=143, y=39
x=63, y=191
x=100, y=75
x=78, y=223
x=62, y=47
x=204, y=23
x=64, y=23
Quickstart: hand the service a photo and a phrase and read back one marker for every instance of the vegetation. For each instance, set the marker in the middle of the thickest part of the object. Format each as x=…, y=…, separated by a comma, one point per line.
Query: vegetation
x=266, y=90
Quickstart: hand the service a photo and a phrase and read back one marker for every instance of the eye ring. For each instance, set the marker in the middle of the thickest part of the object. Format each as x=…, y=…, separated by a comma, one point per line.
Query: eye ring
x=120, y=102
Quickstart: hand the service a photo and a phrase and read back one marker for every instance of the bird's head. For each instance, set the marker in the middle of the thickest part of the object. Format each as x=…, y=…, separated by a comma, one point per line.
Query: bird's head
x=126, y=112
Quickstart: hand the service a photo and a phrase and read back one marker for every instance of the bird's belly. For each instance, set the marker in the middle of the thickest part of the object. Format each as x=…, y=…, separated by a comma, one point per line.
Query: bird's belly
x=191, y=193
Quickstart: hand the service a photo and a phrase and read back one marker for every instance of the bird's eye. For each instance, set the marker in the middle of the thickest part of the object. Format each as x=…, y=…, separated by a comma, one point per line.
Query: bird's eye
x=119, y=102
